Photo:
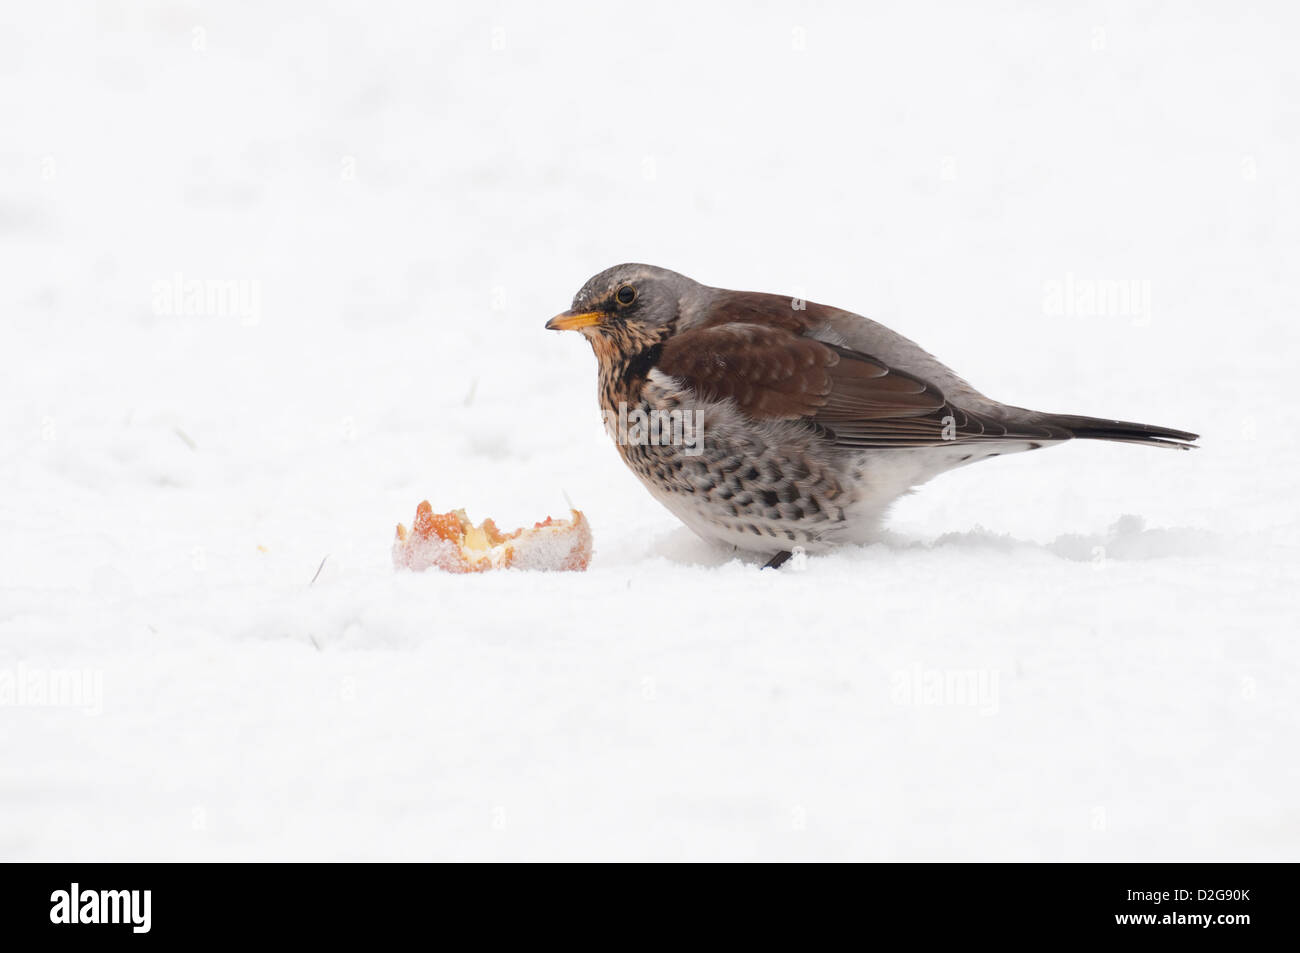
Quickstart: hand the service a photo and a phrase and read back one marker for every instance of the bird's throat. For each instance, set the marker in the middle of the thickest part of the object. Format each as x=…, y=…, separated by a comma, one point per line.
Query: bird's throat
x=624, y=373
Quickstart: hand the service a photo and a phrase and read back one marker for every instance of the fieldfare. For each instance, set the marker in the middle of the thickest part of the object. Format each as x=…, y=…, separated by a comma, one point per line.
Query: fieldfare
x=768, y=423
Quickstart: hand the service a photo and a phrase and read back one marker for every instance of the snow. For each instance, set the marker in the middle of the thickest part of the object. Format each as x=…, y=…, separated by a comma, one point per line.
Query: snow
x=1081, y=653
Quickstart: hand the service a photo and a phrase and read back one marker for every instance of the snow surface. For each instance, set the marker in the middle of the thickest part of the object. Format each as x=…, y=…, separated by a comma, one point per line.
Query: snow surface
x=1087, y=652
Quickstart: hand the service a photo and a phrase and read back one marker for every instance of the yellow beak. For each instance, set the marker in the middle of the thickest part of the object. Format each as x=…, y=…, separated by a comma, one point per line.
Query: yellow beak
x=575, y=320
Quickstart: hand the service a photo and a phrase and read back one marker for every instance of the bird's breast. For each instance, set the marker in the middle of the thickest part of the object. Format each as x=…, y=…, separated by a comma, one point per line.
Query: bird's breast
x=760, y=486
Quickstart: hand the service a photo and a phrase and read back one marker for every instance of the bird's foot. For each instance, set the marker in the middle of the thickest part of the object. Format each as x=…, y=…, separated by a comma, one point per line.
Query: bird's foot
x=777, y=561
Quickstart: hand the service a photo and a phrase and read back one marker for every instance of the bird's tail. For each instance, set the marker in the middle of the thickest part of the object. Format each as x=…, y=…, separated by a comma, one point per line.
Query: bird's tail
x=1122, y=431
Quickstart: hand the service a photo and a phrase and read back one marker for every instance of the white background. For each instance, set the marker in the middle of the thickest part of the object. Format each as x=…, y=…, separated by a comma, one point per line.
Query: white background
x=413, y=190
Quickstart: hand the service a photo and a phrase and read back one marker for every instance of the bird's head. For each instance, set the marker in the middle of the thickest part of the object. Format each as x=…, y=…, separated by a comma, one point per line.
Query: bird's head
x=627, y=309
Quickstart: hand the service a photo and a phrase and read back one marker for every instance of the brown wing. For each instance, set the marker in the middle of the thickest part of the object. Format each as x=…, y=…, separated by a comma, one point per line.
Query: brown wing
x=776, y=372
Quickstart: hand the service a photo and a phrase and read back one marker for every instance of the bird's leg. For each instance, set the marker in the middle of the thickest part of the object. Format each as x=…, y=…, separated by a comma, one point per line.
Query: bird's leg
x=777, y=561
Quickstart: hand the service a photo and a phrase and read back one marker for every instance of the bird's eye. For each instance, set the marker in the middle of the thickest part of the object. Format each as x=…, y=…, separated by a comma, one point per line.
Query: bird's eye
x=625, y=295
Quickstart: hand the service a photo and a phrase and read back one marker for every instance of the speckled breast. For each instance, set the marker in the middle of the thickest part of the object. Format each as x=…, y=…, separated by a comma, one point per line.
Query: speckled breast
x=764, y=487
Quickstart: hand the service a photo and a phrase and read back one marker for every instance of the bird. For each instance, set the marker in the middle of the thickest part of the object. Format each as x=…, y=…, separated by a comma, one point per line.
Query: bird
x=789, y=424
